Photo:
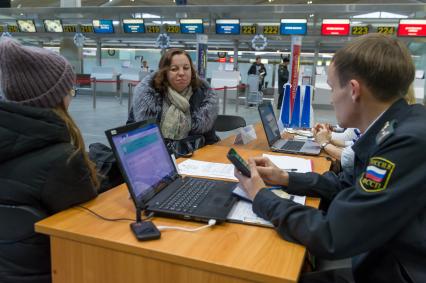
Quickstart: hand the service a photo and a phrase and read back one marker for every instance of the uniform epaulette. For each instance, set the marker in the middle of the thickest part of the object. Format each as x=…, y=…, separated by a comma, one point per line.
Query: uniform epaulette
x=387, y=131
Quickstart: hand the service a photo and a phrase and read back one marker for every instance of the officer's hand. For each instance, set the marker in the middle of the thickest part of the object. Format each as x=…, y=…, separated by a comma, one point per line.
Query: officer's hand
x=269, y=172
x=251, y=185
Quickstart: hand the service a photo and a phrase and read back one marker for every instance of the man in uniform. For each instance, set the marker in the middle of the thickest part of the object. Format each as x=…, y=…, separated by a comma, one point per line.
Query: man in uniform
x=377, y=214
x=283, y=75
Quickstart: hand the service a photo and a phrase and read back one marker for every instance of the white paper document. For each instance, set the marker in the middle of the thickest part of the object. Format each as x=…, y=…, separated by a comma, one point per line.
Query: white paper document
x=291, y=164
x=242, y=212
x=207, y=169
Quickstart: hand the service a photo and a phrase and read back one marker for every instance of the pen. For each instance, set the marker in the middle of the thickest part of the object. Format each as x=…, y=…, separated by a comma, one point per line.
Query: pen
x=290, y=169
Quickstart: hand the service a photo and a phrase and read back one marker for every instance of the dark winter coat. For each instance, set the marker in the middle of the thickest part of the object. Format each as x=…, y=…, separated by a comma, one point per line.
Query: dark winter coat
x=148, y=104
x=37, y=179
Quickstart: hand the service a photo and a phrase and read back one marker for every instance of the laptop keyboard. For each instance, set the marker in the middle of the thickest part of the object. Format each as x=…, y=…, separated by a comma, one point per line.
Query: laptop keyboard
x=188, y=196
x=293, y=145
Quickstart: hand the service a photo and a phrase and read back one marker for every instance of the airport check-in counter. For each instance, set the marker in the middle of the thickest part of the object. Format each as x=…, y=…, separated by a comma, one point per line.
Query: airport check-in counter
x=104, y=74
x=133, y=75
x=229, y=79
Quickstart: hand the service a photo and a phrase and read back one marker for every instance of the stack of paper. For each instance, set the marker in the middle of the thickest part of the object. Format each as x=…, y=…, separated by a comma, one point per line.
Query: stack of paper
x=207, y=169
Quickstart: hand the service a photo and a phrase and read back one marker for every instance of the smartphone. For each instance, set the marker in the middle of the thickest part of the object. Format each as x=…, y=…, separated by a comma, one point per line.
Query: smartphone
x=145, y=230
x=239, y=162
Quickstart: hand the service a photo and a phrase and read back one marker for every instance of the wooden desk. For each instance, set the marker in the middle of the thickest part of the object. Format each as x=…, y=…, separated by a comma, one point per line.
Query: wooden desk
x=87, y=249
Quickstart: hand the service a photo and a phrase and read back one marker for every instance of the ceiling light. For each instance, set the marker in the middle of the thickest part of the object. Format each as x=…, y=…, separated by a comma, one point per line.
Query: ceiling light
x=309, y=2
x=311, y=15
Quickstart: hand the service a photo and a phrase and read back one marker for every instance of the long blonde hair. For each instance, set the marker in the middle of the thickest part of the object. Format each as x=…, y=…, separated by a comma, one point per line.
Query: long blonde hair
x=410, y=97
x=77, y=141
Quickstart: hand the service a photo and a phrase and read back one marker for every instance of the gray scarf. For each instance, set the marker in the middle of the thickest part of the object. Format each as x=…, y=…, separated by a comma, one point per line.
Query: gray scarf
x=176, y=116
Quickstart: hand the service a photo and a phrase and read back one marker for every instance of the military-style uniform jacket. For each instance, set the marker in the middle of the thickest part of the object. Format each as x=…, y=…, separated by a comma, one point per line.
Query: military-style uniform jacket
x=377, y=216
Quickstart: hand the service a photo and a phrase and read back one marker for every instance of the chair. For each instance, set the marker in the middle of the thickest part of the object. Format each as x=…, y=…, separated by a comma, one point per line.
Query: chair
x=226, y=123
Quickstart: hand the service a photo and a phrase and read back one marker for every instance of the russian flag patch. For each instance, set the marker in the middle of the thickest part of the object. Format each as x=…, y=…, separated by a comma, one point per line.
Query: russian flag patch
x=377, y=174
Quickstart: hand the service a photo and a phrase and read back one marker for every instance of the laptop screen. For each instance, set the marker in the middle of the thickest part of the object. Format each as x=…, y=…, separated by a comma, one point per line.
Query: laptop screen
x=145, y=160
x=269, y=122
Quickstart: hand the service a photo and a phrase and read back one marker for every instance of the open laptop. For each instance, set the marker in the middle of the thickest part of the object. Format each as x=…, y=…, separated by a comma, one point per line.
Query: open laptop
x=273, y=135
x=153, y=180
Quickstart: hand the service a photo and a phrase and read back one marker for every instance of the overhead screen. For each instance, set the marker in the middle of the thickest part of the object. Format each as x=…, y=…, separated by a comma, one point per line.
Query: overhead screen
x=133, y=26
x=103, y=26
x=228, y=26
x=26, y=25
x=338, y=27
x=293, y=27
x=53, y=26
x=412, y=28
x=191, y=26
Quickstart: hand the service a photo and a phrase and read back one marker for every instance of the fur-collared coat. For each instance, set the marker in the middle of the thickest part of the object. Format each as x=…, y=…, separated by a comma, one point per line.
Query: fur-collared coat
x=148, y=103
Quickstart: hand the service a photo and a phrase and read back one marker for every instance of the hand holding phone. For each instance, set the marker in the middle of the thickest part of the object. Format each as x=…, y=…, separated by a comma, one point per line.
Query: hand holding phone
x=239, y=162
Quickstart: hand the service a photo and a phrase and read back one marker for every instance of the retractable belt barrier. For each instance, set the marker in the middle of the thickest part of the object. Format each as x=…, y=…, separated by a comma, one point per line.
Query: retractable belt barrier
x=132, y=84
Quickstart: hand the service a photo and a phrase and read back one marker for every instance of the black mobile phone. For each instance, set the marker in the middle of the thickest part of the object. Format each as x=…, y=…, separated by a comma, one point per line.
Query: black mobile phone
x=239, y=162
x=145, y=230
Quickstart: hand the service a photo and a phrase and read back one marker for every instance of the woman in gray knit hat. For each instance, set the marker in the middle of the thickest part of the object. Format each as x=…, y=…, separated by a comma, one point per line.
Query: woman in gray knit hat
x=43, y=164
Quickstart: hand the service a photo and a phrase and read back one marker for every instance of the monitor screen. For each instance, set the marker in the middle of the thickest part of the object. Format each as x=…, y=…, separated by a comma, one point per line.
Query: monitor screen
x=26, y=25
x=338, y=27
x=103, y=26
x=412, y=27
x=293, y=27
x=191, y=26
x=133, y=26
x=53, y=26
x=228, y=26
x=144, y=158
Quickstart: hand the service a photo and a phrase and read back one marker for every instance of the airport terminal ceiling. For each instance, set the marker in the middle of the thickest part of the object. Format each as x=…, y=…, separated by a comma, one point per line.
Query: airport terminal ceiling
x=257, y=12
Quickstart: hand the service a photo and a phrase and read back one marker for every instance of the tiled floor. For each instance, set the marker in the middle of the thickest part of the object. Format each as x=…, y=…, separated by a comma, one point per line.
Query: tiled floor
x=109, y=114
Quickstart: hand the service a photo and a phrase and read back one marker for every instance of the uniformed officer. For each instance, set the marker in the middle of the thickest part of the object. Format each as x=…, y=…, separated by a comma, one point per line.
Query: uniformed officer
x=283, y=75
x=377, y=215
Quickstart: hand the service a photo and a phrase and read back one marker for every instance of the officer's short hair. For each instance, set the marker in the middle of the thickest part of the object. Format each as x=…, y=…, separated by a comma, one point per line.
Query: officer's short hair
x=383, y=63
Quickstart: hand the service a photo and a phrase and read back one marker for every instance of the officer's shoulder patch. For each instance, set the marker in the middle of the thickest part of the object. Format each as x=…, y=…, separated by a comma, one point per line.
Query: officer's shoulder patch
x=377, y=174
x=387, y=131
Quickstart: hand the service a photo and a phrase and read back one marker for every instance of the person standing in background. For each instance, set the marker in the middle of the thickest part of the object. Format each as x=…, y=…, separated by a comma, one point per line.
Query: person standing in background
x=283, y=75
x=257, y=68
x=144, y=66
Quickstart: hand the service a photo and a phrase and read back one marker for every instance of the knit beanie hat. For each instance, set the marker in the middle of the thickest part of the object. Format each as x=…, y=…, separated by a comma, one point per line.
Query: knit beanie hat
x=33, y=76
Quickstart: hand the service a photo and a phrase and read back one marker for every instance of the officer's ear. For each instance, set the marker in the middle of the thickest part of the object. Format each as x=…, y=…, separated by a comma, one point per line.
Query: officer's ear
x=355, y=89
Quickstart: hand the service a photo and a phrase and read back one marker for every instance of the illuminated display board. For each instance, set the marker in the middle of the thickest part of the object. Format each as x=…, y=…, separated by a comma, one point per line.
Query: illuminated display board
x=1, y=29
x=12, y=28
x=53, y=26
x=386, y=30
x=359, y=30
x=172, y=29
x=293, y=27
x=103, y=26
x=338, y=27
x=153, y=29
x=26, y=25
x=70, y=28
x=248, y=29
x=228, y=26
x=133, y=26
x=270, y=29
x=86, y=28
x=191, y=26
x=412, y=28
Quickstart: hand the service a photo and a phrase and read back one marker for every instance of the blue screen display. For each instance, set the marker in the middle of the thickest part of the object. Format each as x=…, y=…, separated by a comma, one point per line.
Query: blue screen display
x=227, y=27
x=191, y=28
x=133, y=26
x=103, y=26
x=293, y=28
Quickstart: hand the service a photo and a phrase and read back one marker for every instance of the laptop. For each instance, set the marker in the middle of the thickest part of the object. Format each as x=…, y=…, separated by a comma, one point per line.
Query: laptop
x=273, y=135
x=154, y=183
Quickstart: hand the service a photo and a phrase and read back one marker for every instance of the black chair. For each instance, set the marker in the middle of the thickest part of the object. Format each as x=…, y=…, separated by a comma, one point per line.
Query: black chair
x=226, y=123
